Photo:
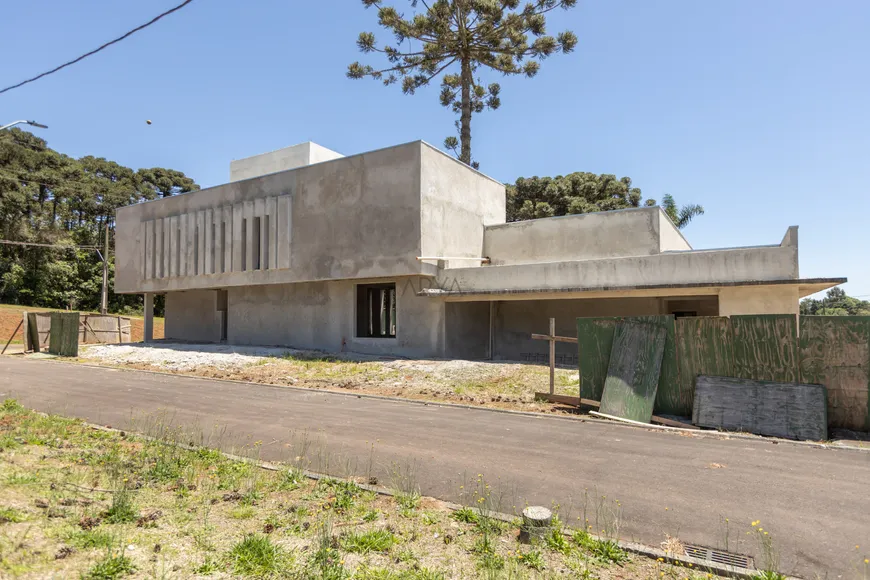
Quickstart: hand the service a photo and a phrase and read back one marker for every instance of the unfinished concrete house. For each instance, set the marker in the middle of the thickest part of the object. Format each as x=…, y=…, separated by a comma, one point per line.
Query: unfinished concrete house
x=405, y=251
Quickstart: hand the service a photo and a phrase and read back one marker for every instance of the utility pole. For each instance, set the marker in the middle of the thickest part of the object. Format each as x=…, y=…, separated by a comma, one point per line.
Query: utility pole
x=104, y=296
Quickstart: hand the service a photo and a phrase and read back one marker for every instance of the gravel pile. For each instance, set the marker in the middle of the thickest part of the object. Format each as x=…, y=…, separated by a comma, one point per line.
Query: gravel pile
x=181, y=357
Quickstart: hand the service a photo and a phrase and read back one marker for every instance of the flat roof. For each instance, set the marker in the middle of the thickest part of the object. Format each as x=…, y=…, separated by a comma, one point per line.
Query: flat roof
x=806, y=286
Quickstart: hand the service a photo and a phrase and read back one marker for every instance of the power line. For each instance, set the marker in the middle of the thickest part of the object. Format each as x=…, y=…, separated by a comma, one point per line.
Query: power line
x=59, y=246
x=98, y=49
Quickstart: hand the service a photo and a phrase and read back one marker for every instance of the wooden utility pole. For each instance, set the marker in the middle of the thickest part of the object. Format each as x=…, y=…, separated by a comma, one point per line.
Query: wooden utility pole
x=104, y=296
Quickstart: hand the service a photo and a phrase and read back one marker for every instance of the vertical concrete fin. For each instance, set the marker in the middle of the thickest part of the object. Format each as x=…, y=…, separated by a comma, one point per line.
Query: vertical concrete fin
x=209, y=241
x=249, y=234
x=190, y=218
x=174, y=246
x=149, y=250
x=227, y=235
x=200, y=241
x=284, y=233
x=271, y=211
x=182, y=234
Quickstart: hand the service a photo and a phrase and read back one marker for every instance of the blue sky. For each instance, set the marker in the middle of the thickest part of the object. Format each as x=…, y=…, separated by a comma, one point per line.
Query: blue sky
x=760, y=111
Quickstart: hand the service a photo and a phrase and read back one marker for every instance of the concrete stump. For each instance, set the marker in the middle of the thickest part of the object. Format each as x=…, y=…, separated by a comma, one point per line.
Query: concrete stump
x=536, y=524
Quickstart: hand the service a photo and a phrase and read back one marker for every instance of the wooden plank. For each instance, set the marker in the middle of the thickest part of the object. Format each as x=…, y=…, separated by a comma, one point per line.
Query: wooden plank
x=64, y=334
x=669, y=399
x=552, y=356
x=11, y=336
x=556, y=338
x=765, y=347
x=565, y=400
x=594, y=343
x=631, y=421
x=704, y=347
x=835, y=352
x=790, y=410
x=634, y=370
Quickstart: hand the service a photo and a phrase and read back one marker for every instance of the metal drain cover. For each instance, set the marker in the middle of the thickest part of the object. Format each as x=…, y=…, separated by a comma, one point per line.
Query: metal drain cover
x=718, y=556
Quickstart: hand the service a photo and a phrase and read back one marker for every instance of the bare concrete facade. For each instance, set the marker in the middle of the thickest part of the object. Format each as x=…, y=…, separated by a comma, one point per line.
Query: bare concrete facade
x=405, y=251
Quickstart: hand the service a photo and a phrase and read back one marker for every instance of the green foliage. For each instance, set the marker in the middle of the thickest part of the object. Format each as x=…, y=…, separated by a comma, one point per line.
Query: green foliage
x=379, y=540
x=557, y=542
x=365, y=572
x=466, y=515
x=50, y=198
x=608, y=551
x=110, y=567
x=9, y=515
x=581, y=192
x=257, y=556
x=835, y=303
x=458, y=39
x=532, y=559
x=86, y=539
x=768, y=575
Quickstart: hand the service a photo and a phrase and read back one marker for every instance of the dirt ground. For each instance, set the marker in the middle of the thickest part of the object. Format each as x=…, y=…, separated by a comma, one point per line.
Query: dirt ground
x=10, y=316
x=506, y=385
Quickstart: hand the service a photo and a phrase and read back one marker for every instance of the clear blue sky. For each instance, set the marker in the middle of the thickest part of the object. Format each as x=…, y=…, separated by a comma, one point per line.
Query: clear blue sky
x=760, y=111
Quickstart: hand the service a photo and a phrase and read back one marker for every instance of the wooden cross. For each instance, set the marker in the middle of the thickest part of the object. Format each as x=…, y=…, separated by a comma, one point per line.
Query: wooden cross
x=553, y=340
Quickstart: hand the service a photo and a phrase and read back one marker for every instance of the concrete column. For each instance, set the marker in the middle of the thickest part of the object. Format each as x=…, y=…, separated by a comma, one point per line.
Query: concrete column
x=149, y=317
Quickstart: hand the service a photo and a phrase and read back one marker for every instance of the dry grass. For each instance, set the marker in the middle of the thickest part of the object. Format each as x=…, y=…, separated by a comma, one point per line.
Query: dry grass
x=81, y=502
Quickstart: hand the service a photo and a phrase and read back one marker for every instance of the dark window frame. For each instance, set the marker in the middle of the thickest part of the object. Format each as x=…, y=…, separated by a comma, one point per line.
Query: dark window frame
x=376, y=310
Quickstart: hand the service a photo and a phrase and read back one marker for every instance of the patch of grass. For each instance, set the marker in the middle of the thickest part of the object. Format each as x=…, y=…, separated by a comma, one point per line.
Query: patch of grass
x=379, y=540
x=243, y=512
x=532, y=559
x=408, y=500
x=10, y=515
x=122, y=510
x=21, y=478
x=344, y=492
x=291, y=479
x=87, y=539
x=367, y=573
x=371, y=515
x=110, y=568
x=208, y=567
x=257, y=556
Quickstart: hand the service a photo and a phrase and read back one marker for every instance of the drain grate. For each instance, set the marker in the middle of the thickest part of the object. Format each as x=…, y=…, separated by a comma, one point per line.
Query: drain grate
x=718, y=556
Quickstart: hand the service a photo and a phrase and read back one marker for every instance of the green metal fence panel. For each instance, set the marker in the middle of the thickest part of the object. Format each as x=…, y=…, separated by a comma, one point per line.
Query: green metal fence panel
x=634, y=370
x=64, y=334
x=765, y=347
x=594, y=343
x=704, y=347
x=835, y=352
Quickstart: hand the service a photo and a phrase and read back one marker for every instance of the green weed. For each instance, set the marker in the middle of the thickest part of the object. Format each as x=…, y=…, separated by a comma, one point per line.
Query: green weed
x=243, y=512
x=466, y=515
x=86, y=539
x=609, y=551
x=10, y=515
x=110, y=568
x=531, y=559
x=122, y=510
x=208, y=567
x=557, y=542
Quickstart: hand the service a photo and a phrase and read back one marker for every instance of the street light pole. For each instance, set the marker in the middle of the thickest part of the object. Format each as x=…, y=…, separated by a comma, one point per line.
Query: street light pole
x=31, y=123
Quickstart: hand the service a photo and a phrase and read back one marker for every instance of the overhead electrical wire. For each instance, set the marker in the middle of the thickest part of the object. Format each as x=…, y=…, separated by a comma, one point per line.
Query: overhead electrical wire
x=98, y=49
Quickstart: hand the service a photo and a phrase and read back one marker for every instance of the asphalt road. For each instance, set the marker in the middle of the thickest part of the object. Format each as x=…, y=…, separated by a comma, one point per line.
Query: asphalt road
x=814, y=502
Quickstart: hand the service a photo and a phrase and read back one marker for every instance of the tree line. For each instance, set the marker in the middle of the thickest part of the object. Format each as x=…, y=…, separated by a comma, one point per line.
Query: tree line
x=835, y=303
x=50, y=198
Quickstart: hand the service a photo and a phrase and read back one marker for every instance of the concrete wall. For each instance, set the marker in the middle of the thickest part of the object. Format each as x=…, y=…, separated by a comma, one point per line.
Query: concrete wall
x=610, y=234
x=457, y=205
x=292, y=157
x=670, y=238
x=355, y=217
x=697, y=266
x=193, y=316
x=467, y=330
x=516, y=320
x=759, y=300
x=322, y=316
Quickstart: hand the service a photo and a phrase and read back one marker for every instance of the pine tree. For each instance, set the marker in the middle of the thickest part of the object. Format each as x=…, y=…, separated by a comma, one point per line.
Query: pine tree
x=456, y=39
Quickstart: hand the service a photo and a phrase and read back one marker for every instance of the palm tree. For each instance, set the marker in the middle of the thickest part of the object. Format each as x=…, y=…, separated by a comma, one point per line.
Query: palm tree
x=681, y=216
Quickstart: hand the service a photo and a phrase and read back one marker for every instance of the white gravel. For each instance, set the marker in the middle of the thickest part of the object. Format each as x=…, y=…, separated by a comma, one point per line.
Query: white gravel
x=181, y=357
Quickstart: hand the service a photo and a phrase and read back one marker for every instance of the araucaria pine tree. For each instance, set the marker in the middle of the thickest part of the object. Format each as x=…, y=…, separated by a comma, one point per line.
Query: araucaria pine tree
x=457, y=39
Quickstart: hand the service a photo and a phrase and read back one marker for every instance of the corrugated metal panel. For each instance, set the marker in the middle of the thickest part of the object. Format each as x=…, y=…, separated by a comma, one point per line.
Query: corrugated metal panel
x=703, y=348
x=634, y=370
x=835, y=351
x=765, y=347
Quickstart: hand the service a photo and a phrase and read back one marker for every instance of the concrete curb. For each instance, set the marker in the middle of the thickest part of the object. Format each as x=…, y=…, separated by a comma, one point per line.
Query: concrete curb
x=720, y=435
x=633, y=547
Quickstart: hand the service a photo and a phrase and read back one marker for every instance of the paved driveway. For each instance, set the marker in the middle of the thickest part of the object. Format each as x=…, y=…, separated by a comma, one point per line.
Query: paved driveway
x=815, y=502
